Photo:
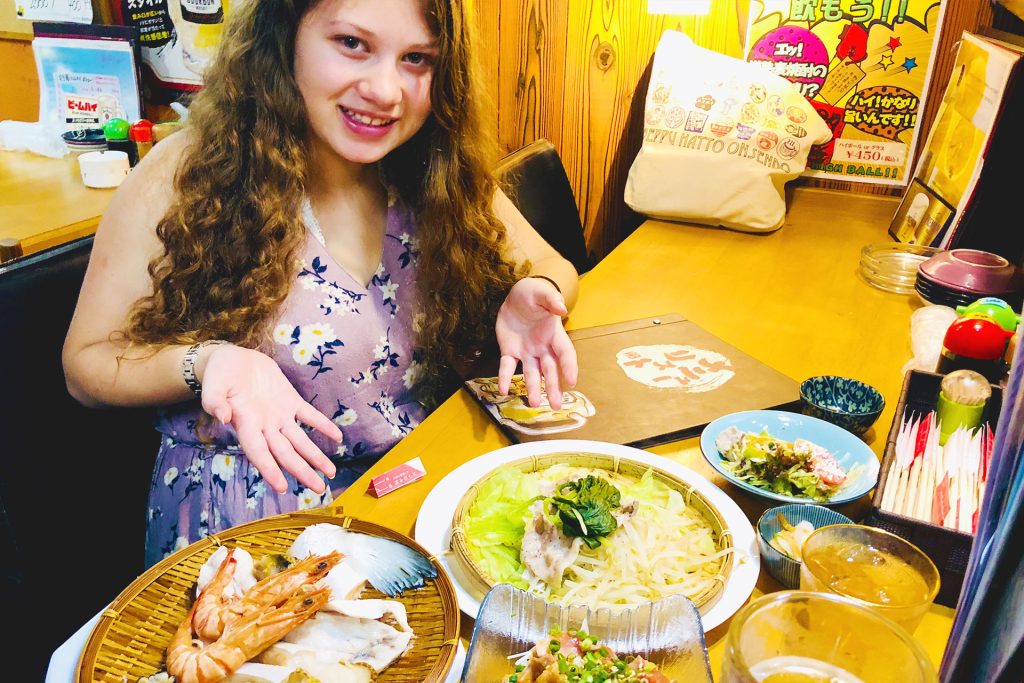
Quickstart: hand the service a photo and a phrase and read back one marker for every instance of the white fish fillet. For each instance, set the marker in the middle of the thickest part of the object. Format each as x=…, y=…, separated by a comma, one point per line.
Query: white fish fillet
x=251, y=672
x=389, y=566
x=318, y=664
x=351, y=639
x=391, y=612
x=344, y=581
x=244, y=578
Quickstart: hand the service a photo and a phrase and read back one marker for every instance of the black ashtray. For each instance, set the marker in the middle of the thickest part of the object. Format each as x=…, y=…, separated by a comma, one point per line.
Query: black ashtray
x=85, y=138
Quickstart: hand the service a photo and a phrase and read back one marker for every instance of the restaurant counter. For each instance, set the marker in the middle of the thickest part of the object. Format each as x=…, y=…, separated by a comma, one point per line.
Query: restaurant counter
x=43, y=201
x=792, y=299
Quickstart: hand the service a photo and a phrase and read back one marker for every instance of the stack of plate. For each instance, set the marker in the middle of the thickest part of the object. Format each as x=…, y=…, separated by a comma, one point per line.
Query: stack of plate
x=962, y=276
x=85, y=140
x=892, y=266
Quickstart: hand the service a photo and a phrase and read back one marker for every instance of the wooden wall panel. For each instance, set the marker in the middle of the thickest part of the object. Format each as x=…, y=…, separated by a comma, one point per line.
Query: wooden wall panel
x=573, y=72
x=19, y=86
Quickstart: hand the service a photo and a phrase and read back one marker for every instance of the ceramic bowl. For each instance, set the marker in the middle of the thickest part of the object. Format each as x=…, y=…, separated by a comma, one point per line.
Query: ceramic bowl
x=973, y=271
x=848, y=403
x=782, y=567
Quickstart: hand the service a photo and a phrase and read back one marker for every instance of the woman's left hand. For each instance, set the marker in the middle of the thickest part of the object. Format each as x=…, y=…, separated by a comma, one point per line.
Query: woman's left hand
x=529, y=331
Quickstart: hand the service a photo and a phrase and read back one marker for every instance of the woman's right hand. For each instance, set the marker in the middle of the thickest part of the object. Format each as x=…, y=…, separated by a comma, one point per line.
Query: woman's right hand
x=247, y=389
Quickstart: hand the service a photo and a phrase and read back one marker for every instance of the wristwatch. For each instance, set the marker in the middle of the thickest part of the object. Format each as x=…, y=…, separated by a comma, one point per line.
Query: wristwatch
x=188, y=364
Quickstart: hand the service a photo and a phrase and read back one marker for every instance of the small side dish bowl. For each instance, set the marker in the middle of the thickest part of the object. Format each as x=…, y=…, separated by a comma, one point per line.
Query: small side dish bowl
x=848, y=403
x=782, y=567
x=667, y=633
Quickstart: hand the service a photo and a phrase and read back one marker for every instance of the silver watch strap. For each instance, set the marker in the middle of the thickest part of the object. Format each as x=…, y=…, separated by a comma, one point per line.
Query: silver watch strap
x=188, y=364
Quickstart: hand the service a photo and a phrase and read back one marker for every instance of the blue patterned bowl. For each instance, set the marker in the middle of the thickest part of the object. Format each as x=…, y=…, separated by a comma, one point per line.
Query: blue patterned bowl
x=848, y=403
x=783, y=568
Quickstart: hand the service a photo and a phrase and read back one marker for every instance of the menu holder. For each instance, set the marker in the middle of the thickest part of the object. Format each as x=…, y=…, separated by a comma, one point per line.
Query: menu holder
x=88, y=74
x=642, y=383
x=963, y=190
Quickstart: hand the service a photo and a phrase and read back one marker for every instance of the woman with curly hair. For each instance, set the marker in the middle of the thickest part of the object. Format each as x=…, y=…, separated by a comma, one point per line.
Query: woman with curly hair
x=320, y=251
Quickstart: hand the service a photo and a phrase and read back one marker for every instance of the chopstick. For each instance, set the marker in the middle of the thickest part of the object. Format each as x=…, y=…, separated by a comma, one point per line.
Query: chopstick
x=942, y=485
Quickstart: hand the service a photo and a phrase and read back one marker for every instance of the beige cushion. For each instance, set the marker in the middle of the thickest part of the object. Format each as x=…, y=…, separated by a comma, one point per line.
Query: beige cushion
x=721, y=139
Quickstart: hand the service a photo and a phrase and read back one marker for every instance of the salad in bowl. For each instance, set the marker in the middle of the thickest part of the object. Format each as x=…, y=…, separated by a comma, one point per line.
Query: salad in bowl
x=797, y=468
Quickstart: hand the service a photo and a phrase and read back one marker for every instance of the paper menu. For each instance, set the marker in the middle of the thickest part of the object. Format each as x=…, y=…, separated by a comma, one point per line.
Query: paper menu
x=642, y=382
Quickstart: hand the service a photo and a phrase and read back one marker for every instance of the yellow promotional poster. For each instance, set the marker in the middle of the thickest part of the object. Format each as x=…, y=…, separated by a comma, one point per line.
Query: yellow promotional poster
x=864, y=65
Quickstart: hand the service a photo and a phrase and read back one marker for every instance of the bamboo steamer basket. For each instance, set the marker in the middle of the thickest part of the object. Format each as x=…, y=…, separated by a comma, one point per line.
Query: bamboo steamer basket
x=131, y=638
x=610, y=463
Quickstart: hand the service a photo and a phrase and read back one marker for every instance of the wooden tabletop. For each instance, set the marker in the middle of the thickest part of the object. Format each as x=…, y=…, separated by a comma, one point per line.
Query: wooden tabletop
x=43, y=201
x=792, y=299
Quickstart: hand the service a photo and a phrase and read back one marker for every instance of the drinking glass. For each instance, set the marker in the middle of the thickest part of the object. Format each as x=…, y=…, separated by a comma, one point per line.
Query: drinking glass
x=872, y=567
x=803, y=637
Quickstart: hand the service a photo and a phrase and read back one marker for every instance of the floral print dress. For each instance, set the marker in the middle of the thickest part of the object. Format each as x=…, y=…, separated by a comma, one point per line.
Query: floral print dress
x=348, y=348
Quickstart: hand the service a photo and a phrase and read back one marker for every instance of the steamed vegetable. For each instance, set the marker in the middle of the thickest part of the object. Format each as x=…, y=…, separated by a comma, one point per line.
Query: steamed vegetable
x=585, y=509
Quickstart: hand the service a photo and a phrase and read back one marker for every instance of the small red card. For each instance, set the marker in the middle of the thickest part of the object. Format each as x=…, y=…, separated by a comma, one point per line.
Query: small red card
x=406, y=473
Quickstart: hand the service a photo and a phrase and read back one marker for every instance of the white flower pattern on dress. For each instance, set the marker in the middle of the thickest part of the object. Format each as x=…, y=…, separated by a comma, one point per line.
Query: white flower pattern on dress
x=310, y=344
x=171, y=476
x=223, y=467
x=309, y=499
x=338, y=298
x=384, y=358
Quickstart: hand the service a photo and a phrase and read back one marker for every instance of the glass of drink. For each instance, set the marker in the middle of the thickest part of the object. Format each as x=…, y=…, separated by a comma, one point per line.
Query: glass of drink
x=872, y=567
x=802, y=637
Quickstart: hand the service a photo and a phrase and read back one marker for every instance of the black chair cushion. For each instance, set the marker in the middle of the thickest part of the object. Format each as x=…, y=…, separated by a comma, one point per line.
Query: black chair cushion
x=535, y=181
x=73, y=481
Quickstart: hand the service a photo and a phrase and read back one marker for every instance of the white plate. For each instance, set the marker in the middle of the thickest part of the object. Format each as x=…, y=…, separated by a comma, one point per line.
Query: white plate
x=434, y=523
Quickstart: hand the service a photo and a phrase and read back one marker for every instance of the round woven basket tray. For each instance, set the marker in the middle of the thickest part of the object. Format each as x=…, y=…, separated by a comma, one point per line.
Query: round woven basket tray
x=723, y=538
x=132, y=635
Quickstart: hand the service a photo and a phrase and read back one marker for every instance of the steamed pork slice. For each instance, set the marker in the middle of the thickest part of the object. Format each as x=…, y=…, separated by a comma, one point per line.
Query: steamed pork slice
x=252, y=672
x=351, y=639
x=318, y=664
x=391, y=612
x=244, y=577
x=727, y=441
x=821, y=462
x=546, y=551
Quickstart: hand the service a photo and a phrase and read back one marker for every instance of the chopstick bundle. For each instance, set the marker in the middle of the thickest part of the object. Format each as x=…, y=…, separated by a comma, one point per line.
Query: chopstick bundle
x=938, y=484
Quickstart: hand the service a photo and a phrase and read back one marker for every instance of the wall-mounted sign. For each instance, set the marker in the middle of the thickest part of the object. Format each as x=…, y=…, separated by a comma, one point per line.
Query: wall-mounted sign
x=864, y=65
x=78, y=11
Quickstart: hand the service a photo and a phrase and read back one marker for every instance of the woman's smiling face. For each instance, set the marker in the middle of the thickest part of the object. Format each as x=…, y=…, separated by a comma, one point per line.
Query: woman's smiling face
x=364, y=70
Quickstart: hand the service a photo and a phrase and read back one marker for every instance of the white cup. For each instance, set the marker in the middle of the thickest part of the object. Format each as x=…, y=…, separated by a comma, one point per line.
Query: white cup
x=103, y=169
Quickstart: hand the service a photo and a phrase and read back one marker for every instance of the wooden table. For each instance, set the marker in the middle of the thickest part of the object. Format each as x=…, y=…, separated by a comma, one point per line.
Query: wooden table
x=43, y=201
x=792, y=299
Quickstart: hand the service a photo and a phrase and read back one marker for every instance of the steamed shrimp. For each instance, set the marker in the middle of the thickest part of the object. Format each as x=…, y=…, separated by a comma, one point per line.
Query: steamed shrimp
x=215, y=608
x=192, y=660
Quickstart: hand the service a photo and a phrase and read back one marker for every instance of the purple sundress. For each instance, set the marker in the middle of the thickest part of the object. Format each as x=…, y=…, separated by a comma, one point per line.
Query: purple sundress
x=348, y=349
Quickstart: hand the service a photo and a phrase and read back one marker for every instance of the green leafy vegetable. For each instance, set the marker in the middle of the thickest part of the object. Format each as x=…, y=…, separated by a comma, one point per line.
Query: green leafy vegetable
x=585, y=509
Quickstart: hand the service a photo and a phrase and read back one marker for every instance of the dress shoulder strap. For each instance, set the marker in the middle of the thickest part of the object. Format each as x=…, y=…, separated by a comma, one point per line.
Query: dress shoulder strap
x=312, y=224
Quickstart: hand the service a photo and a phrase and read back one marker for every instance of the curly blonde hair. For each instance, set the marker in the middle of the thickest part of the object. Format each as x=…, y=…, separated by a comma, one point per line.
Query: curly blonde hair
x=232, y=236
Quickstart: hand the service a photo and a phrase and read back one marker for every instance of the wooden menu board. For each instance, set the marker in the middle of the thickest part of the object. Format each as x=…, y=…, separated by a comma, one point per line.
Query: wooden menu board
x=642, y=383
